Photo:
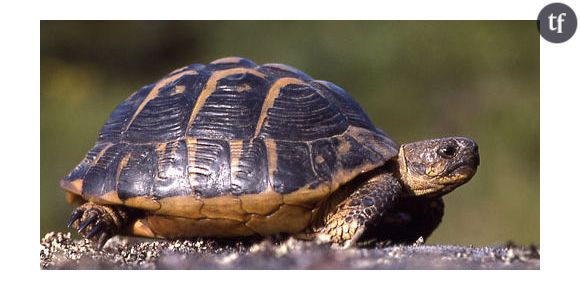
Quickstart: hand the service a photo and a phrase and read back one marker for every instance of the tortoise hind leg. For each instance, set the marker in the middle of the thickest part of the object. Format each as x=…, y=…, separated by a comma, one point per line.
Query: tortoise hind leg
x=99, y=222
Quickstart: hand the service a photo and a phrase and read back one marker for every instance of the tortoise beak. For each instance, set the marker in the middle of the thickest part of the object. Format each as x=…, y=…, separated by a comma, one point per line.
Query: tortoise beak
x=469, y=150
x=474, y=155
x=476, y=159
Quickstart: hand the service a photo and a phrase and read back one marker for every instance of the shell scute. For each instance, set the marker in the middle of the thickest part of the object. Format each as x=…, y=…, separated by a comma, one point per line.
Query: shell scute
x=210, y=169
x=137, y=177
x=294, y=169
x=250, y=172
x=163, y=117
x=299, y=113
x=232, y=109
x=172, y=170
x=119, y=118
x=101, y=178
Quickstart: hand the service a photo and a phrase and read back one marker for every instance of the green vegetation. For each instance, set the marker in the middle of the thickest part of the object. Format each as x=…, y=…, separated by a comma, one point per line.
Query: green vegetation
x=415, y=79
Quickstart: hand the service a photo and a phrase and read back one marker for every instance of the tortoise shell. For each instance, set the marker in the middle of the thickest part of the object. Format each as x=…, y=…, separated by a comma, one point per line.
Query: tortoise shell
x=232, y=141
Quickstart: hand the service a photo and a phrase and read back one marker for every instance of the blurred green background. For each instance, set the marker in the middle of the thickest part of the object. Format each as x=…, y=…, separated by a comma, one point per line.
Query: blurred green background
x=415, y=79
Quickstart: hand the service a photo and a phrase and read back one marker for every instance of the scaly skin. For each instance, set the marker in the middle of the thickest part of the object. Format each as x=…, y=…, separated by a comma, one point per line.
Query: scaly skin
x=361, y=209
x=402, y=200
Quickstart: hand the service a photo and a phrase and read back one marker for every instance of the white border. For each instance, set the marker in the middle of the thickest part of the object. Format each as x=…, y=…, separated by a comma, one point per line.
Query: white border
x=295, y=9
x=20, y=145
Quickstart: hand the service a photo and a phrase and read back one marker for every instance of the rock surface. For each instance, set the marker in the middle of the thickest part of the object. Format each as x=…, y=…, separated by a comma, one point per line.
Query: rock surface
x=61, y=251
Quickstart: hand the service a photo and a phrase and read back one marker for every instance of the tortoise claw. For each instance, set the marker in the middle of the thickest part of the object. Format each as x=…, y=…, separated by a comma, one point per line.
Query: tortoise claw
x=97, y=222
x=77, y=214
x=87, y=222
x=98, y=227
x=102, y=240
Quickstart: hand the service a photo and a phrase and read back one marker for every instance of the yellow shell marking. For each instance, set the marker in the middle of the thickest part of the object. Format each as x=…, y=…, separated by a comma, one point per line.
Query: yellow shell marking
x=271, y=97
x=236, y=148
x=230, y=59
x=76, y=186
x=211, y=85
x=272, y=157
x=155, y=91
x=178, y=90
x=191, y=146
x=122, y=165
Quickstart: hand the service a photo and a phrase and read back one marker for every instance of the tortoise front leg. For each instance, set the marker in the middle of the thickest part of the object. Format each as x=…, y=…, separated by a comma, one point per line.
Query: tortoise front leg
x=361, y=210
x=99, y=222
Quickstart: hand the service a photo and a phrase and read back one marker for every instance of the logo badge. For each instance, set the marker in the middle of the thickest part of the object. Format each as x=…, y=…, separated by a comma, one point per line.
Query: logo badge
x=557, y=22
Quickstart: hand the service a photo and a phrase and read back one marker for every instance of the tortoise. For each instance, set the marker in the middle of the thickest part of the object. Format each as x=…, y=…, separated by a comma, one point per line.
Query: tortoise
x=235, y=149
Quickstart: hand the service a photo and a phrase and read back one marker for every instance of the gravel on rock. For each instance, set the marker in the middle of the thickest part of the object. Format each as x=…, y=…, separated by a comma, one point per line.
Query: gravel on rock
x=61, y=251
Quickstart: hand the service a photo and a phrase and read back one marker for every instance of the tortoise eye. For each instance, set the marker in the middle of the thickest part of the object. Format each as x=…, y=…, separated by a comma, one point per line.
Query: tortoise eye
x=447, y=151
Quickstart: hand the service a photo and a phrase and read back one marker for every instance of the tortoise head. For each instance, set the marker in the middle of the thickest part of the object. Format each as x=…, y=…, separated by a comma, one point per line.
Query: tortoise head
x=437, y=166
